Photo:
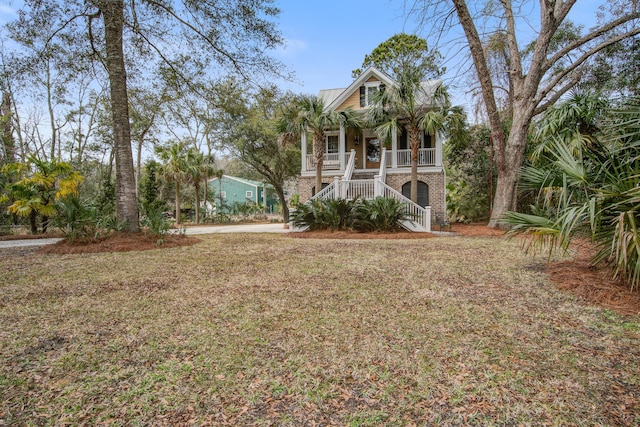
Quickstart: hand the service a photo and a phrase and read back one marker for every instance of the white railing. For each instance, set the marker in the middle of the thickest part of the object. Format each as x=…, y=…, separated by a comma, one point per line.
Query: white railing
x=355, y=188
x=382, y=174
x=328, y=192
x=418, y=214
x=420, y=218
x=426, y=157
x=351, y=165
x=330, y=161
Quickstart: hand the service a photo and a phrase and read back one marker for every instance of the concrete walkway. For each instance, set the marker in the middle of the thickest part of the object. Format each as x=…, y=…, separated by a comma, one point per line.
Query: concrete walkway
x=28, y=242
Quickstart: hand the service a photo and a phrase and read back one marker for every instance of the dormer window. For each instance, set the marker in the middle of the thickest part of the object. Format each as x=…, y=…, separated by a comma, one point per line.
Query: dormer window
x=367, y=93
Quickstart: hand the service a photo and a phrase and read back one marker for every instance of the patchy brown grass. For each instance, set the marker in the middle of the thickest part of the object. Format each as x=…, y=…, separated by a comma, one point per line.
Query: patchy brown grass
x=328, y=234
x=269, y=330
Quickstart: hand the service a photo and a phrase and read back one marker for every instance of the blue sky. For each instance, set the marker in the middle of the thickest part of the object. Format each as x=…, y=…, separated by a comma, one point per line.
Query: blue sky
x=327, y=39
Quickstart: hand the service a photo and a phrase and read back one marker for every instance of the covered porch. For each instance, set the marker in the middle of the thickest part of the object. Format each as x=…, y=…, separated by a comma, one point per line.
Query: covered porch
x=369, y=150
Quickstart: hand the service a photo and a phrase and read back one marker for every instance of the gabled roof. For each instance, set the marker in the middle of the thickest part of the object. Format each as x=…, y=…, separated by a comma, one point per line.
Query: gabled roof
x=249, y=182
x=333, y=98
x=362, y=78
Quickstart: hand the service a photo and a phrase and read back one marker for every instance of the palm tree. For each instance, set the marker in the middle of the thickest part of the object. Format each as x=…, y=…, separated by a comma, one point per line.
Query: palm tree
x=199, y=168
x=589, y=187
x=36, y=193
x=407, y=104
x=174, y=168
x=309, y=114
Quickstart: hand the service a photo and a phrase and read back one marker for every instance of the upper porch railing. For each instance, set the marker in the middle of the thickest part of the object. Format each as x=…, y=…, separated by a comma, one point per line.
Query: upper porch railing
x=426, y=157
x=331, y=161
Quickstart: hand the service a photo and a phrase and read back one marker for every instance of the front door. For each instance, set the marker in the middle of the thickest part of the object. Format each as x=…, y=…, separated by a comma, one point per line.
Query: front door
x=373, y=153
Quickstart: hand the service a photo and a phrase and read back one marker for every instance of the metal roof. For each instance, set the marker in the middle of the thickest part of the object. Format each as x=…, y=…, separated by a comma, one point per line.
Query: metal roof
x=333, y=98
x=244, y=181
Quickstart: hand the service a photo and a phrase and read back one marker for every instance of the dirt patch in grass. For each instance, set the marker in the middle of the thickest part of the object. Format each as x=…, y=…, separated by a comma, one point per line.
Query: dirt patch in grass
x=476, y=230
x=119, y=242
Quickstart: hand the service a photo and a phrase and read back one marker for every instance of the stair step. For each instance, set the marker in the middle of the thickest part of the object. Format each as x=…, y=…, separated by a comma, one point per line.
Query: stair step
x=362, y=175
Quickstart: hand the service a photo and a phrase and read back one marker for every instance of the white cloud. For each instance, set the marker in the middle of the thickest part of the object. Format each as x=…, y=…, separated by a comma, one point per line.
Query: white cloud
x=291, y=48
x=7, y=13
x=7, y=10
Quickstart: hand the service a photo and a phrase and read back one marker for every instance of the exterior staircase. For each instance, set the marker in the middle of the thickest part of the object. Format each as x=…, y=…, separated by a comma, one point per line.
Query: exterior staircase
x=370, y=186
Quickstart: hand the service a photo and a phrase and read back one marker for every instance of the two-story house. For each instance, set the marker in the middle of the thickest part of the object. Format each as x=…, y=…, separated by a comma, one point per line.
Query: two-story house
x=358, y=163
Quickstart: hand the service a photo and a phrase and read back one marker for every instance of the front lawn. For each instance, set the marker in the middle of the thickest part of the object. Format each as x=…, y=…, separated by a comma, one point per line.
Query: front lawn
x=269, y=330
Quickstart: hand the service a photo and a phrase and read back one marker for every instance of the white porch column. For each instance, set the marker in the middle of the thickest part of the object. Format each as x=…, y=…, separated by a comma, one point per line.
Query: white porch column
x=438, y=149
x=394, y=149
x=337, y=188
x=341, y=147
x=303, y=149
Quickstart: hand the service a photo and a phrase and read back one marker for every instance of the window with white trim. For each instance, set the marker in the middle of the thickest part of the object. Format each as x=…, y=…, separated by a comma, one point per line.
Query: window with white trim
x=331, y=142
x=248, y=194
x=371, y=88
x=223, y=194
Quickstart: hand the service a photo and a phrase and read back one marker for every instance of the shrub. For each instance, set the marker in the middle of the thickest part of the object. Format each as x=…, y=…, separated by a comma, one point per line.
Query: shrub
x=590, y=187
x=76, y=219
x=380, y=214
x=156, y=221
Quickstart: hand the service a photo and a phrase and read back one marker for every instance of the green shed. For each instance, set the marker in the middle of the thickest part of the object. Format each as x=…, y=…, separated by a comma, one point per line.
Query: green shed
x=232, y=189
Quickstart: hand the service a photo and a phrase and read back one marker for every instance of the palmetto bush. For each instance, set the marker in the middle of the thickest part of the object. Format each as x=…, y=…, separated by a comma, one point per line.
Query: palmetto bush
x=590, y=189
x=76, y=219
x=325, y=214
x=379, y=214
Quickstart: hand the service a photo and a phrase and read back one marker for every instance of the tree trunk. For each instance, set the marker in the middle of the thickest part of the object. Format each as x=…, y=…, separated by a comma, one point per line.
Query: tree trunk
x=197, y=187
x=283, y=203
x=139, y=161
x=177, y=202
x=414, y=140
x=126, y=203
x=318, y=148
x=51, y=114
x=510, y=156
x=206, y=196
x=33, y=216
x=8, y=143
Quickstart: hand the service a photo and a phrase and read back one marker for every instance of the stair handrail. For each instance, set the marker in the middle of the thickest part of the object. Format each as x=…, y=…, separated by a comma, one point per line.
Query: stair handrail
x=326, y=193
x=420, y=215
x=382, y=173
x=351, y=165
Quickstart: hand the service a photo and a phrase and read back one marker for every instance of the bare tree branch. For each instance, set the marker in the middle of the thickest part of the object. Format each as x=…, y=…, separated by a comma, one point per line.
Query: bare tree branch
x=589, y=37
x=560, y=76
